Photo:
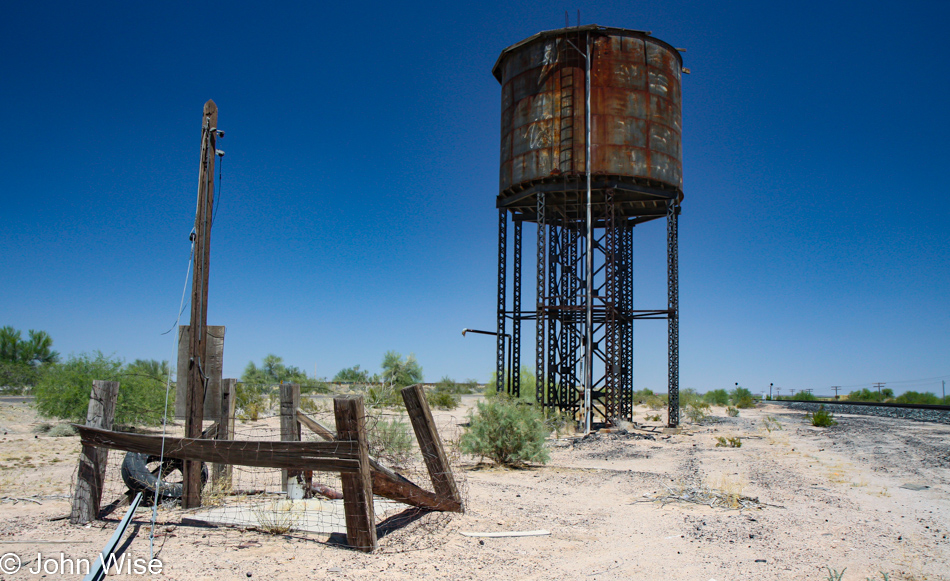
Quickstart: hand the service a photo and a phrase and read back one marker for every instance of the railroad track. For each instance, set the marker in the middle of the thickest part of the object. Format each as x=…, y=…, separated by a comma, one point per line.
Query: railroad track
x=915, y=406
x=919, y=412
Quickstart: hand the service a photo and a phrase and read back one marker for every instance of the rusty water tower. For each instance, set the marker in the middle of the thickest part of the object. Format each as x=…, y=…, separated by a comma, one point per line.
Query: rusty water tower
x=590, y=148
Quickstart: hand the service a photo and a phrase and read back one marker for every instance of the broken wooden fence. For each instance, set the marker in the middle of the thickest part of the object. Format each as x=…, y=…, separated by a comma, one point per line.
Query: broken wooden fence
x=346, y=453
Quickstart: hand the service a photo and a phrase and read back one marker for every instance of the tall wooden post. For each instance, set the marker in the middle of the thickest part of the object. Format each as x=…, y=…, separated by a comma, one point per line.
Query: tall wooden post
x=358, y=505
x=290, y=432
x=214, y=355
x=198, y=367
x=92, y=460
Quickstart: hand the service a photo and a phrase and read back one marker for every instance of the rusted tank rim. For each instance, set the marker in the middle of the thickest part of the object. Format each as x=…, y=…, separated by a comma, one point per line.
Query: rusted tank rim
x=596, y=28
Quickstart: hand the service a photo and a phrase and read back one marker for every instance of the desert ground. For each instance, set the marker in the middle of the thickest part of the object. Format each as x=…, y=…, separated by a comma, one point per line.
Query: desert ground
x=869, y=497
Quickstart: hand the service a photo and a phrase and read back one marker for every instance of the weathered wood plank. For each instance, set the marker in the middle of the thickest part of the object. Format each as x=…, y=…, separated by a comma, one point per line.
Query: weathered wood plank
x=386, y=482
x=357, y=487
x=340, y=456
x=315, y=426
x=408, y=493
x=221, y=473
x=290, y=432
x=436, y=462
x=91, y=474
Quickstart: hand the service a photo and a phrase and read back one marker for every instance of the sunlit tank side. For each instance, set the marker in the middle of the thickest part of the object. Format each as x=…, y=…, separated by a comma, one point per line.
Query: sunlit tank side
x=636, y=110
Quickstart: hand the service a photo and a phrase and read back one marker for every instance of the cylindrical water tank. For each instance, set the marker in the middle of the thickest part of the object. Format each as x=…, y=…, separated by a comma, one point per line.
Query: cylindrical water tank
x=635, y=102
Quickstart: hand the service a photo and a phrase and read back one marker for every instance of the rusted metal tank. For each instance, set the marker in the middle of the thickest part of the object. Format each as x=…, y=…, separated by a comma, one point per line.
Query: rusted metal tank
x=636, y=113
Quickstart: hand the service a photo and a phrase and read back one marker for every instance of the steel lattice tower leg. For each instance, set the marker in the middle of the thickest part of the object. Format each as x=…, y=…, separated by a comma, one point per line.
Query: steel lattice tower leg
x=502, y=256
x=540, y=378
x=515, y=346
x=612, y=315
x=673, y=337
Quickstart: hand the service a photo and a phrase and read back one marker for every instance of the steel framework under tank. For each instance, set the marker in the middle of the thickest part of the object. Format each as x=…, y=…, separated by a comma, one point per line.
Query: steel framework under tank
x=590, y=148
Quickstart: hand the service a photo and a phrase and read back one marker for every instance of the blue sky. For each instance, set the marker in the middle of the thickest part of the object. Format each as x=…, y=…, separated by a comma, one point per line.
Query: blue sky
x=357, y=202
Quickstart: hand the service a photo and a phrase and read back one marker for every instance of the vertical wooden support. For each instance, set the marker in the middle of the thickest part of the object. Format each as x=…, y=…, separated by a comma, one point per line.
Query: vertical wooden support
x=291, y=480
x=198, y=368
x=438, y=465
x=214, y=355
x=221, y=473
x=92, y=461
x=357, y=487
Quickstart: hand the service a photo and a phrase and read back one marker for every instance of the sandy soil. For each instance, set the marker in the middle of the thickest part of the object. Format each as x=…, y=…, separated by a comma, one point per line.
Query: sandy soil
x=826, y=499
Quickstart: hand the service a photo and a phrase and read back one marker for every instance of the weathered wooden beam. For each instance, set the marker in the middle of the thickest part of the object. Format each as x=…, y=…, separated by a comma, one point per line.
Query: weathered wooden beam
x=357, y=487
x=212, y=365
x=428, y=436
x=339, y=456
x=290, y=432
x=408, y=493
x=315, y=426
x=386, y=482
x=198, y=368
x=91, y=474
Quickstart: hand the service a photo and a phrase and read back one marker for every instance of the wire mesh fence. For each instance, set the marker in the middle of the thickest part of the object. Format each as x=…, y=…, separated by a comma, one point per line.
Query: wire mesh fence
x=255, y=500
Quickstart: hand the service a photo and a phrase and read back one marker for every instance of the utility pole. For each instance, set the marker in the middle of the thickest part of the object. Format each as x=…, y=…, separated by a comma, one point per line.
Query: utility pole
x=197, y=379
x=943, y=385
x=836, y=388
x=879, y=386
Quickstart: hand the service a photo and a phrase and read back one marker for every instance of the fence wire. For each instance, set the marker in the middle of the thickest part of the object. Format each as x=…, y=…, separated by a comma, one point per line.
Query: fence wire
x=249, y=500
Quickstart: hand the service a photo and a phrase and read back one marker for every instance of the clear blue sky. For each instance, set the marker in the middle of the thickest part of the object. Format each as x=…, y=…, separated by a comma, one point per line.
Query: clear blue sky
x=357, y=205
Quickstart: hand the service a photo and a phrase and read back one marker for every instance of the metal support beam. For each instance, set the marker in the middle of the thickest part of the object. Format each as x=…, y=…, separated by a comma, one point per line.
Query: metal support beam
x=514, y=346
x=540, y=379
x=673, y=336
x=502, y=264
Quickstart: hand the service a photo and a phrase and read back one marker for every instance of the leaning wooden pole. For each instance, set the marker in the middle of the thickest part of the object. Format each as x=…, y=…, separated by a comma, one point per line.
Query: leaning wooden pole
x=197, y=366
x=431, y=445
x=92, y=460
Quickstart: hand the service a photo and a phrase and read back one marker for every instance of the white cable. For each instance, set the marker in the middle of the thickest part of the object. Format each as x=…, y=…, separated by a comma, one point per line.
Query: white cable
x=168, y=382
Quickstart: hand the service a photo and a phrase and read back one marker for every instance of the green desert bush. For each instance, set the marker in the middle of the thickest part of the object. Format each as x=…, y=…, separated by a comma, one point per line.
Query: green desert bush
x=443, y=399
x=871, y=396
x=250, y=401
x=383, y=395
x=506, y=432
x=63, y=390
x=741, y=398
x=805, y=396
x=771, y=423
x=732, y=412
x=822, y=418
x=389, y=440
x=722, y=442
x=717, y=397
x=689, y=396
x=655, y=402
x=61, y=431
x=914, y=397
x=697, y=412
